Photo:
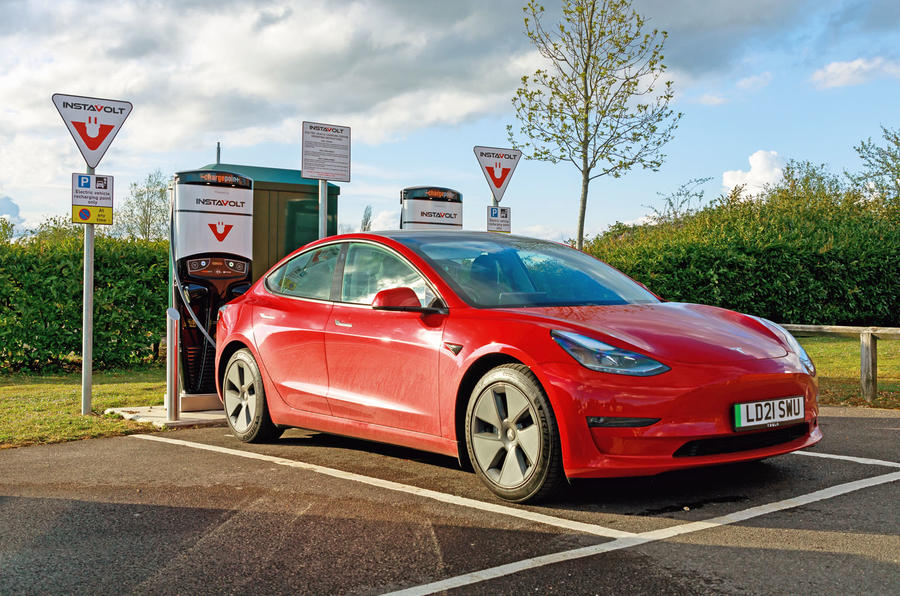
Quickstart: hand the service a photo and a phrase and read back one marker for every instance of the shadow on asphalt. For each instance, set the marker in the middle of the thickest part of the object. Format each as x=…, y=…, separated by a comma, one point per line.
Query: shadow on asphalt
x=675, y=495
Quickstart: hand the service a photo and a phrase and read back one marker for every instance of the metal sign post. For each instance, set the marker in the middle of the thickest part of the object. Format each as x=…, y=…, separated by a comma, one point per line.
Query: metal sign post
x=93, y=123
x=325, y=156
x=87, y=318
x=323, y=208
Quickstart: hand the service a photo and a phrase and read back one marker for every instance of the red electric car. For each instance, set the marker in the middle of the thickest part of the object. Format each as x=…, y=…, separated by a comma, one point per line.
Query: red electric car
x=527, y=359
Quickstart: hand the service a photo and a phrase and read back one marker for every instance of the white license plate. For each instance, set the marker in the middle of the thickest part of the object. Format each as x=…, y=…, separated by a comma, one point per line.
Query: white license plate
x=767, y=414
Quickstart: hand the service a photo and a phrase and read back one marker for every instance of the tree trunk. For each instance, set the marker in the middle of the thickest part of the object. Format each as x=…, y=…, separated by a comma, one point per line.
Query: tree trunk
x=582, y=209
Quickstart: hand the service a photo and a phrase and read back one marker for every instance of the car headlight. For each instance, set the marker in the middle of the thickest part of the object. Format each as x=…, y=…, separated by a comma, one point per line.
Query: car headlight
x=596, y=355
x=792, y=343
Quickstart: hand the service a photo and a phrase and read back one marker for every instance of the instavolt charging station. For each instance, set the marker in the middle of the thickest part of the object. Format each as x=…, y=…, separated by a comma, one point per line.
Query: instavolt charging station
x=260, y=214
x=211, y=250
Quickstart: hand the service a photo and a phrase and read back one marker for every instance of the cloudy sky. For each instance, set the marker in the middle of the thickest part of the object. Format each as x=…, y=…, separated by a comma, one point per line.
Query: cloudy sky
x=422, y=82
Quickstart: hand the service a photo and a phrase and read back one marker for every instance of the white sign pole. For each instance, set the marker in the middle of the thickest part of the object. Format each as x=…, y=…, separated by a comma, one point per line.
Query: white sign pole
x=87, y=319
x=323, y=208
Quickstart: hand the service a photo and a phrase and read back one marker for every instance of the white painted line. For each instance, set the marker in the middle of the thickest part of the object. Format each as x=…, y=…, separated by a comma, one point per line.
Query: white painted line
x=636, y=540
x=522, y=514
x=858, y=460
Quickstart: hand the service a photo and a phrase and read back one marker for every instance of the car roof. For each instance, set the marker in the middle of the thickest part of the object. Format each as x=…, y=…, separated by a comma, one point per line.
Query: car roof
x=404, y=236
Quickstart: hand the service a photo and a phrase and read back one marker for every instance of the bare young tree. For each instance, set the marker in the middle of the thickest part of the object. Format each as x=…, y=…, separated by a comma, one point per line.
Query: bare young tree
x=145, y=212
x=601, y=103
x=366, y=223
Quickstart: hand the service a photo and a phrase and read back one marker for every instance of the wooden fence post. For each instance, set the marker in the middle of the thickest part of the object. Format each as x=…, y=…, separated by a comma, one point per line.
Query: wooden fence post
x=868, y=366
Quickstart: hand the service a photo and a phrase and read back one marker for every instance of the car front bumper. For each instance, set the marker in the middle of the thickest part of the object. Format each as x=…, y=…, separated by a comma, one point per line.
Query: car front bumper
x=694, y=405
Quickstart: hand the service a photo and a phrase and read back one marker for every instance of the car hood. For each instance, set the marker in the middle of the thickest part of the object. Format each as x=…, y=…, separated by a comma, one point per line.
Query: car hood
x=671, y=331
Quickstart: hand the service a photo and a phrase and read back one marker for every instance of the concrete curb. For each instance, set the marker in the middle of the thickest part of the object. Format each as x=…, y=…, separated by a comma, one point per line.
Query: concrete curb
x=856, y=412
x=156, y=415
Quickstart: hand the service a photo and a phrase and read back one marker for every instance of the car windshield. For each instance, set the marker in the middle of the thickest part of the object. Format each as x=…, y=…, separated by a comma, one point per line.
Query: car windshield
x=520, y=272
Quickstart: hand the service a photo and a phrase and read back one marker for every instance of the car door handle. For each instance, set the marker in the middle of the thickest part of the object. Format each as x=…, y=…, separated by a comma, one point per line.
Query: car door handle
x=342, y=324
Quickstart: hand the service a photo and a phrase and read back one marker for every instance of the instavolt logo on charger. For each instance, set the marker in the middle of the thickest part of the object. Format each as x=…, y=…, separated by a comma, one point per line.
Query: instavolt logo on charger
x=439, y=214
x=219, y=203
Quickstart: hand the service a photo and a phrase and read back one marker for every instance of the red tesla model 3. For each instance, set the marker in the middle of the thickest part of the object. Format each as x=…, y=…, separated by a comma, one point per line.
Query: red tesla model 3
x=527, y=359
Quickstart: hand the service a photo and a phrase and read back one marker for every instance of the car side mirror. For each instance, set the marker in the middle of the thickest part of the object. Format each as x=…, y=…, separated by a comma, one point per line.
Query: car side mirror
x=403, y=299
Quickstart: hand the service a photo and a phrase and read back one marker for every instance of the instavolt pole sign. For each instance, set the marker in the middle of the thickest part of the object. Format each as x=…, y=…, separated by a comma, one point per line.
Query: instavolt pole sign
x=93, y=123
x=497, y=164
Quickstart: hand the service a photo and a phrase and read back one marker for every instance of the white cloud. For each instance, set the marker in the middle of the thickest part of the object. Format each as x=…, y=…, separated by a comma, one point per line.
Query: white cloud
x=544, y=232
x=754, y=82
x=386, y=220
x=712, y=100
x=640, y=221
x=854, y=72
x=765, y=168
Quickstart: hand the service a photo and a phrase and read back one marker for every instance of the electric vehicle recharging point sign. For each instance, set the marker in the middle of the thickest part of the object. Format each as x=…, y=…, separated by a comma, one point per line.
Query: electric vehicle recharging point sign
x=92, y=199
x=213, y=219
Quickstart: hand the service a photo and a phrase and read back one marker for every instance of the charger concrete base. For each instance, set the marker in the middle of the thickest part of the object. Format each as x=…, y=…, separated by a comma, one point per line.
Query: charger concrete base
x=156, y=415
x=199, y=402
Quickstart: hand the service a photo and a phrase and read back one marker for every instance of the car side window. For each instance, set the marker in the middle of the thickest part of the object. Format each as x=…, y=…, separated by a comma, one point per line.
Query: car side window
x=308, y=275
x=369, y=269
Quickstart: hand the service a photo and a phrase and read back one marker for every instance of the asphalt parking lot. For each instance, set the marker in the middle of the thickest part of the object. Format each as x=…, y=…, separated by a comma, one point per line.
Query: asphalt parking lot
x=196, y=512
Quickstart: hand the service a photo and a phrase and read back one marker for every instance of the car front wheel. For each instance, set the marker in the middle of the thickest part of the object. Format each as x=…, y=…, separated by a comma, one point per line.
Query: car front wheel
x=512, y=437
x=245, y=400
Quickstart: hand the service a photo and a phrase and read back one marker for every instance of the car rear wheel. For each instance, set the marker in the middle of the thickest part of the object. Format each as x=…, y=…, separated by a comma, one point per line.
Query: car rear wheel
x=245, y=400
x=512, y=437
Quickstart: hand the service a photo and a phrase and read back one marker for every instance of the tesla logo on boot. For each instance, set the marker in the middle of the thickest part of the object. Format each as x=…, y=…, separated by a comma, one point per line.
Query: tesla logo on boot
x=94, y=139
x=220, y=230
x=497, y=180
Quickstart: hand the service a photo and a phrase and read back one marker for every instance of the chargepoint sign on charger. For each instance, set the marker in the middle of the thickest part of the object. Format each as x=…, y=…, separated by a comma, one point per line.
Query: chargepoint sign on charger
x=213, y=218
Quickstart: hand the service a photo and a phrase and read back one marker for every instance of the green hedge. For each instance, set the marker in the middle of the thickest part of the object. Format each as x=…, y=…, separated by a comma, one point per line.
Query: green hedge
x=41, y=297
x=810, y=251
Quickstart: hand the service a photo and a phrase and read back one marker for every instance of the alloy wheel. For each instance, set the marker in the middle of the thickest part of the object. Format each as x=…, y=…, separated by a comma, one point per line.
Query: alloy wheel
x=240, y=396
x=505, y=435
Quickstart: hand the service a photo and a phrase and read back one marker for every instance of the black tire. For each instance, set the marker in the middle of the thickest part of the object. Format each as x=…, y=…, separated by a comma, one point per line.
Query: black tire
x=244, y=400
x=515, y=453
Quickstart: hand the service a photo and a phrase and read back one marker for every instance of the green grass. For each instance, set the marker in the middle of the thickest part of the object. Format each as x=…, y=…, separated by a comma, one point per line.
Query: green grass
x=36, y=409
x=837, y=362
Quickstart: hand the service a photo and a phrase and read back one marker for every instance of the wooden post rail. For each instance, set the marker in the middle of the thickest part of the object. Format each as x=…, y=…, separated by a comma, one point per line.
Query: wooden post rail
x=868, y=349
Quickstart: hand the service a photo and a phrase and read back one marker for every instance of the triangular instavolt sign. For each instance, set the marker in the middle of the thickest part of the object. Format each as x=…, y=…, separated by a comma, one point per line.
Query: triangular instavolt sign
x=498, y=166
x=93, y=122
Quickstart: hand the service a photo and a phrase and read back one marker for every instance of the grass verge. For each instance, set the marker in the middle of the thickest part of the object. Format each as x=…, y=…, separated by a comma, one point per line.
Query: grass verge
x=837, y=362
x=47, y=409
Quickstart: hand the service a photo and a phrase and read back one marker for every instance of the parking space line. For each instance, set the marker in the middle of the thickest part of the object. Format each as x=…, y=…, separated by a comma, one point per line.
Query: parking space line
x=644, y=538
x=858, y=460
x=521, y=514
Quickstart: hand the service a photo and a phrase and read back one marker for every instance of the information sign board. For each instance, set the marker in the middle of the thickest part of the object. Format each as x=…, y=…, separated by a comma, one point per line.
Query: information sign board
x=498, y=219
x=92, y=199
x=325, y=153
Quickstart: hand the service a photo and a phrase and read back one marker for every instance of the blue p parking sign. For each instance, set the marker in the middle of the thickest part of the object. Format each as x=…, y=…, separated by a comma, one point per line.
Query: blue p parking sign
x=498, y=219
x=92, y=199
